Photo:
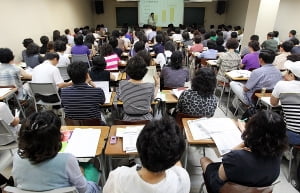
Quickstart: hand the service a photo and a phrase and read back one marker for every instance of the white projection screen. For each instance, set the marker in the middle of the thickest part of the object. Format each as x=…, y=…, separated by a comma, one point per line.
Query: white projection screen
x=165, y=11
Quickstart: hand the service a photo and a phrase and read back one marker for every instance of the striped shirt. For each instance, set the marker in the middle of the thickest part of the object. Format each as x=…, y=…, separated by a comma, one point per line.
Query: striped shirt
x=81, y=101
x=112, y=62
x=137, y=98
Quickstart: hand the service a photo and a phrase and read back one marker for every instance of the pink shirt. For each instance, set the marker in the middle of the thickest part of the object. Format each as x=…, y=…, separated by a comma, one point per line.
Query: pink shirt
x=196, y=48
x=112, y=62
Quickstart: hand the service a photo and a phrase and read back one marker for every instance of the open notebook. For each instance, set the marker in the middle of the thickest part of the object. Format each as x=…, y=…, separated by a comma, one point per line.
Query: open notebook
x=223, y=131
x=105, y=87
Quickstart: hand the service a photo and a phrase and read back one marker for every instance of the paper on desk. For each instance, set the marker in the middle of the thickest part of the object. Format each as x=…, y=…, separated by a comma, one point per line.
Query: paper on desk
x=266, y=100
x=239, y=73
x=196, y=130
x=83, y=142
x=105, y=87
x=130, y=136
x=149, y=75
x=161, y=95
x=178, y=91
x=4, y=91
x=107, y=97
x=116, y=75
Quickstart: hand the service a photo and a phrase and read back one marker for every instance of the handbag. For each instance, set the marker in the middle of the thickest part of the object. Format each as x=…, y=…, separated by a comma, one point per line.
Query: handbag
x=159, y=109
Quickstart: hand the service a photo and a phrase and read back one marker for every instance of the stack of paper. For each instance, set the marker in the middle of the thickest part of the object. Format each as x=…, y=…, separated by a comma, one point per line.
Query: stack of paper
x=4, y=91
x=130, y=135
x=105, y=87
x=239, y=73
x=83, y=142
x=223, y=131
x=178, y=91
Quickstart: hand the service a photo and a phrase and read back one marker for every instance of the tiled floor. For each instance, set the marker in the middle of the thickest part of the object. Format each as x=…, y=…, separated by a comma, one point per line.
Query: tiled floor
x=194, y=169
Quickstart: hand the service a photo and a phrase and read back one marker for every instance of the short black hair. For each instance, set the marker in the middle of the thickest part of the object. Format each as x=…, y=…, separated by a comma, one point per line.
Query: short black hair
x=44, y=40
x=6, y=55
x=77, y=72
x=295, y=41
x=204, y=81
x=27, y=41
x=78, y=39
x=138, y=46
x=160, y=144
x=176, y=60
x=275, y=33
x=197, y=39
x=146, y=56
x=56, y=35
x=67, y=31
x=32, y=49
x=63, y=38
x=211, y=44
x=220, y=41
x=232, y=44
x=293, y=32
x=113, y=41
x=99, y=63
x=51, y=56
x=265, y=134
x=185, y=35
x=89, y=38
x=169, y=45
x=254, y=45
x=115, y=33
x=287, y=46
x=270, y=34
x=59, y=46
x=106, y=50
x=159, y=38
x=136, y=68
x=254, y=38
x=177, y=30
x=40, y=137
x=234, y=34
x=267, y=56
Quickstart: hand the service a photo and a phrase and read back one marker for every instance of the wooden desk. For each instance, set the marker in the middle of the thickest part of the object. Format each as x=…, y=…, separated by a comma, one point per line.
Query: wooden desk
x=7, y=95
x=113, y=94
x=211, y=62
x=102, y=139
x=124, y=76
x=115, y=150
x=236, y=78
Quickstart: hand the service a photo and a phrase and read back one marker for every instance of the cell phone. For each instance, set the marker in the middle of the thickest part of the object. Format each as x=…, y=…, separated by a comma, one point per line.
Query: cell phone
x=113, y=140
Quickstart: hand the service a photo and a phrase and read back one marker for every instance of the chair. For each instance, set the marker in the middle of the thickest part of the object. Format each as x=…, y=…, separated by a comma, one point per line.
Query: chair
x=8, y=139
x=81, y=58
x=83, y=122
x=11, y=189
x=179, y=117
x=44, y=89
x=291, y=110
x=137, y=122
x=63, y=72
x=230, y=187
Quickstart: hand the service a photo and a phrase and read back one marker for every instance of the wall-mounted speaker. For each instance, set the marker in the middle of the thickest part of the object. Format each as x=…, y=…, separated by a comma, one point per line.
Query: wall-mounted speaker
x=99, y=6
x=221, y=7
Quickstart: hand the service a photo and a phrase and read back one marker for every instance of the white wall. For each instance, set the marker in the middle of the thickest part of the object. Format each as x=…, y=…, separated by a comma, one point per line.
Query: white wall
x=33, y=18
x=288, y=18
x=236, y=12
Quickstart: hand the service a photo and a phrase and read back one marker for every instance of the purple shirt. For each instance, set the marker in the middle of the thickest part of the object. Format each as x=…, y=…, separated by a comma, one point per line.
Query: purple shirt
x=251, y=61
x=174, y=78
x=80, y=49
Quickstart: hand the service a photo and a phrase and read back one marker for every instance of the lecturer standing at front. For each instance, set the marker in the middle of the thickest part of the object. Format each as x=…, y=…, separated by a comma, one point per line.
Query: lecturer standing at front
x=151, y=20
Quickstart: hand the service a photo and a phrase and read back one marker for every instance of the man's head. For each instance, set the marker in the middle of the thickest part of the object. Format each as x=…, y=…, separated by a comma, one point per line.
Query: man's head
x=266, y=56
x=52, y=57
x=78, y=72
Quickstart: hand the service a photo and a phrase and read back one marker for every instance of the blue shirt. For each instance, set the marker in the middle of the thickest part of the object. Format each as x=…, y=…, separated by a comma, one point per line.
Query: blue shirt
x=82, y=101
x=209, y=54
x=264, y=77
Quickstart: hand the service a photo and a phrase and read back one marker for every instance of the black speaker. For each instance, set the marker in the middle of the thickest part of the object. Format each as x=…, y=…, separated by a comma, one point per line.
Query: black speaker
x=221, y=7
x=99, y=6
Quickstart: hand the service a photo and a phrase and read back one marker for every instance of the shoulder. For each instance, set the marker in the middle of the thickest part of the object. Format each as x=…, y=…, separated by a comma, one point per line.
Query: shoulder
x=183, y=179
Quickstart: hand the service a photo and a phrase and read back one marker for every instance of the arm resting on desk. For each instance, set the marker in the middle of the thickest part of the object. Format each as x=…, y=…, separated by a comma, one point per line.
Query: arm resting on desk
x=24, y=74
x=274, y=101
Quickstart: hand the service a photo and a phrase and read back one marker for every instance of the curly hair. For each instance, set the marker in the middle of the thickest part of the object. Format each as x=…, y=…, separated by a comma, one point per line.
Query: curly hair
x=136, y=68
x=176, y=60
x=40, y=137
x=204, y=82
x=106, y=50
x=232, y=44
x=160, y=144
x=265, y=134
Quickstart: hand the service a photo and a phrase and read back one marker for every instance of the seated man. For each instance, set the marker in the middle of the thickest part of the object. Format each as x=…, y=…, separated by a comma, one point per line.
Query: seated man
x=211, y=53
x=291, y=85
x=81, y=101
x=270, y=43
x=47, y=72
x=264, y=77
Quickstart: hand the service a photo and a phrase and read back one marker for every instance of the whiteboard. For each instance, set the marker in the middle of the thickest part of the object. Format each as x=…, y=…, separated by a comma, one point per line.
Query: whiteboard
x=165, y=12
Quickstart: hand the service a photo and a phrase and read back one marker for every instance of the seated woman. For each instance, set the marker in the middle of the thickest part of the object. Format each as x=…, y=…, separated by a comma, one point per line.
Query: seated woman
x=33, y=57
x=159, y=172
x=98, y=72
x=136, y=94
x=79, y=48
x=39, y=144
x=251, y=61
x=174, y=75
x=200, y=100
x=111, y=59
x=228, y=61
x=255, y=162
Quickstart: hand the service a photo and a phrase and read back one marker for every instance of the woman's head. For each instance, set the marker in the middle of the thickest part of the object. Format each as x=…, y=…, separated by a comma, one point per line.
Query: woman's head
x=78, y=39
x=89, y=39
x=32, y=49
x=232, y=43
x=59, y=46
x=106, y=50
x=44, y=40
x=176, y=60
x=265, y=134
x=204, y=82
x=254, y=45
x=99, y=63
x=40, y=137
x=160, y=144
x=136, y=68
